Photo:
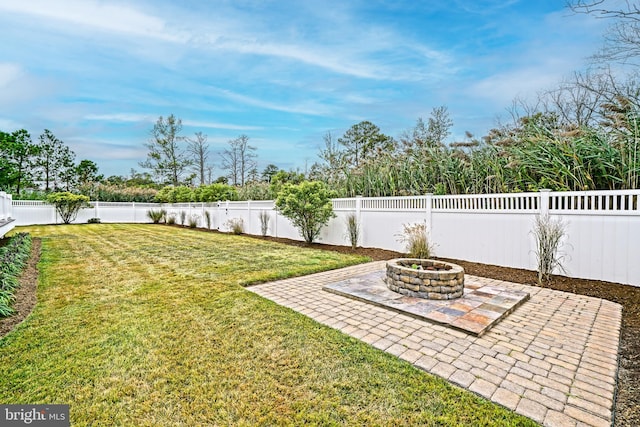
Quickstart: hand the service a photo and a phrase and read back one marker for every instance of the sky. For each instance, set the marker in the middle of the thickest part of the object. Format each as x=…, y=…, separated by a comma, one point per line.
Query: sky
x=99, y=74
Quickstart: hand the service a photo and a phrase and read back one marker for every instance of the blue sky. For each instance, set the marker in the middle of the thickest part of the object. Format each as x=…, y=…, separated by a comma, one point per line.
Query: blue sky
x=98, y=74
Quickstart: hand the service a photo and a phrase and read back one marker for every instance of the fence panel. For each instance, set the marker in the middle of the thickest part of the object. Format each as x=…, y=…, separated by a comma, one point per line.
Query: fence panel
x=490, y=238
x=601, y=241
x=7, y=222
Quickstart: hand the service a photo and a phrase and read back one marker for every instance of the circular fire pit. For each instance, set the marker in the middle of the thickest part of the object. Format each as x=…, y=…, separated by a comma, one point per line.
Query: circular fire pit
x=425, y=278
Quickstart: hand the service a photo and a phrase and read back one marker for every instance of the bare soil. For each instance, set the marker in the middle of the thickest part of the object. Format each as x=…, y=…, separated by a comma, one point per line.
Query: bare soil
x=627, y=411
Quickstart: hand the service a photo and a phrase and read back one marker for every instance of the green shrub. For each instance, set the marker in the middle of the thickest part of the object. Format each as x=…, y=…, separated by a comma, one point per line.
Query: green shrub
x=417, y=241
x=307, y=205
x=183, y=217
x=215, y=192
x=205, y=193
x=13, y=259
x=157, y=215
x=116, y=193
x=67, y=204
x=193, y=221
x=171, y=219
x=93, y=221
x=30, y=195
x=254, y=191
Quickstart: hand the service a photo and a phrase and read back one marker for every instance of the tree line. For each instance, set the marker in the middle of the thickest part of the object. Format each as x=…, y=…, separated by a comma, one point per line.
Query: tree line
x=172, y=163
x=24, y=164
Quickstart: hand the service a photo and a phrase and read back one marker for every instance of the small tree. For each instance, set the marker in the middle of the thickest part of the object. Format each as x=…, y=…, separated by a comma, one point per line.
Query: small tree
x=68, y=204
x=307, y=205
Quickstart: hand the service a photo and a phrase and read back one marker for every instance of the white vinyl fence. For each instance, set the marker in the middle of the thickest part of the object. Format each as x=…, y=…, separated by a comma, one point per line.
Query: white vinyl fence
x=602, y=238
x=6, y=216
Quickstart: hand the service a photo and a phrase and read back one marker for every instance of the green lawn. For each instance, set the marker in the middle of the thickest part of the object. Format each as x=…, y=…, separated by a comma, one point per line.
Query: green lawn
x=150, y=325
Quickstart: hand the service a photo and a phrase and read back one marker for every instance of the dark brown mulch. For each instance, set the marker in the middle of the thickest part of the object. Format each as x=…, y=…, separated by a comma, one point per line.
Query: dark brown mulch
x=26, y=293
x=627, y=411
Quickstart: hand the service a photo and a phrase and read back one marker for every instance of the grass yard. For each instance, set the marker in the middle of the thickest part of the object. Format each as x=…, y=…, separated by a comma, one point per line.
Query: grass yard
x=150, y=325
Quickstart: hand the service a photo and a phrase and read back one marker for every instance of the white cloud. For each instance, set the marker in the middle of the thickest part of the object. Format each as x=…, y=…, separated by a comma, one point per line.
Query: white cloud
x=311, y=55
x=98, y=149
x=309, y=108
x=134, y=118
x=216, y=125
x=484, y=7
x=353, y=48
x=502, y=88
x=8, y=73
x=121, y=117
x=97, y=15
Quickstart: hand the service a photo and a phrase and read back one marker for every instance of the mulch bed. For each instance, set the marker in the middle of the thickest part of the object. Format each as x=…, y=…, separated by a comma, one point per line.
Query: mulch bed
x=627, y=412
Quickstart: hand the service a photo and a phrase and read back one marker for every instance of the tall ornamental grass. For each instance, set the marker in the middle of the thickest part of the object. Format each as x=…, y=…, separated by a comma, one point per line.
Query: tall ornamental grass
x=559, y=159
x=417, y=241
x=548, y=234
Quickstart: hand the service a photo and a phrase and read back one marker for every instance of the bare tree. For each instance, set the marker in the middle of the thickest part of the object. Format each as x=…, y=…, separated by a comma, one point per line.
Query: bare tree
x=576, y=101
x=198, y=148
x=622, y=40
x=239, y=160
x=520, y=108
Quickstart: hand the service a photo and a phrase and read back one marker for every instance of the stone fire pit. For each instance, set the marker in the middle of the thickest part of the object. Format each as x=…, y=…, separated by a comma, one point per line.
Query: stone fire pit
x=425, y=278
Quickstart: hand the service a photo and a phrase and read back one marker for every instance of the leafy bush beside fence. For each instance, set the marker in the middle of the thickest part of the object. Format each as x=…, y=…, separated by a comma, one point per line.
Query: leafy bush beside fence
x=13, y=259
x=307, y=205
x=68, y=205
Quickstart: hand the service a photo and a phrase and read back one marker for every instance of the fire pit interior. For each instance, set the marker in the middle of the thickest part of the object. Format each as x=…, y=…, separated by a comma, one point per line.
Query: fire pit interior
x=425, y=278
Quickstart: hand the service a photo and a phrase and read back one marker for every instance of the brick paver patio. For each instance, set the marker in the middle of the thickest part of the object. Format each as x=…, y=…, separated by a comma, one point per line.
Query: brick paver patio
x=554, y=359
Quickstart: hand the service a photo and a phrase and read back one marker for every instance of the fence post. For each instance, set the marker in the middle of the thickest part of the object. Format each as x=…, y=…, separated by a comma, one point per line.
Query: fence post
x=9, y=212
x=249, y=215
x=226, y=211
x=95, y=209
x=275, y=228
x=3, y=205
x=219, y=216
x=428, y=208
x=544, y=201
